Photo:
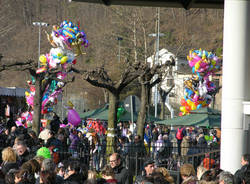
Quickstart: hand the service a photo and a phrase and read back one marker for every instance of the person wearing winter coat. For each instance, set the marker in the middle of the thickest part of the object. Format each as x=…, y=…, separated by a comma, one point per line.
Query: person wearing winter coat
x=188, y=174
x=74, y=141
x=185, y=144
x=149, y=166
x=202, y=143
x=55, y=123
x=74, y=174
x=108, y=175
x=159, y=146
x=9, y=160
x=238, y=176
x=121, y=173
x=23, y=154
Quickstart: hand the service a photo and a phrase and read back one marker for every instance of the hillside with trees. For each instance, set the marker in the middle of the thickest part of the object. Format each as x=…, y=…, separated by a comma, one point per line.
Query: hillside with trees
x=183, y=29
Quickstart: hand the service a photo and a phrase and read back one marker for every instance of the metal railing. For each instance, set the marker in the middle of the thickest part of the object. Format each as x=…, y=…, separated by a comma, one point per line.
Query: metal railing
x=134, y=161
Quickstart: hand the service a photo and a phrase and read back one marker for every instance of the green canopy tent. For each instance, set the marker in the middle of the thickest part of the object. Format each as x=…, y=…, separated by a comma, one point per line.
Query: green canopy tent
x=102, y=114
x=88, y=114
x=203, y=117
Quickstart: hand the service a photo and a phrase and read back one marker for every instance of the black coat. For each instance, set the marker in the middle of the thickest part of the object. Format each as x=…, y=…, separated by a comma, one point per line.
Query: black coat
x=238, y=176
x=121, y=174
x=26, y=156
x=6, y=166
x=55, y=125
x=58, y=180
x=74, y=179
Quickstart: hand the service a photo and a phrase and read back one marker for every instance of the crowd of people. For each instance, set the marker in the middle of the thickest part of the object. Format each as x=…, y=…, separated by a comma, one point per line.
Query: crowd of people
x=70, y=155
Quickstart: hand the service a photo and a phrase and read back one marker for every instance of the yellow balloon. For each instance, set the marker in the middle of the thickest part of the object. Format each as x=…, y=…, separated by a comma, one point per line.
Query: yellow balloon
x=42, y=60
x=27, y=93
x=183, y=109
x=213, y=62
x=197, y=66
x=189, y=102
x=70, y=104
x=193, y=106
x=64, y=59
x=59, y=55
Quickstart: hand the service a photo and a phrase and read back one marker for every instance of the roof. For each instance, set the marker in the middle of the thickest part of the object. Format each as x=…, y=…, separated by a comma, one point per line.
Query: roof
x=12, y=91
x=204, y=117
x=187, y=4
x=102, y=114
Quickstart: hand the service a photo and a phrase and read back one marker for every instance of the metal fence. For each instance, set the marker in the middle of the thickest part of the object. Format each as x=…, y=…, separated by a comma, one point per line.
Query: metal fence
x=134, y=161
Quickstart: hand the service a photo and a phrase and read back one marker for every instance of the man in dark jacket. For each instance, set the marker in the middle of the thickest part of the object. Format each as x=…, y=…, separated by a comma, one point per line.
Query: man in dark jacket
x=148, y=168
x=239, y=174
x=55, y=123
x=23, y=154
x=75, y=174
x=121, y=173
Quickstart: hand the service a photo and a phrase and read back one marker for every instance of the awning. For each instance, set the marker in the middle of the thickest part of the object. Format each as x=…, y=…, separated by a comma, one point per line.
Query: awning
x=102, y=114
x=12, y=91
x=204, y=117
x=187, y=4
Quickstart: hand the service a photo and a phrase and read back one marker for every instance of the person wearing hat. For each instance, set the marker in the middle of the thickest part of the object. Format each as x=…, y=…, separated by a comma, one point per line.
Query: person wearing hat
x=44, y=152
x=149, y=166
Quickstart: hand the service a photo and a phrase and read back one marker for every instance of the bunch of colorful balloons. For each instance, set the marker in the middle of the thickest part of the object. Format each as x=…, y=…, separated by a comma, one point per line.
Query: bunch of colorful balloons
x=199, y=88
x=67, y=40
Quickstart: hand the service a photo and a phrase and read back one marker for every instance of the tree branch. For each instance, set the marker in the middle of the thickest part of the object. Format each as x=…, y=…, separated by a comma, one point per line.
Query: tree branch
x=16, y=65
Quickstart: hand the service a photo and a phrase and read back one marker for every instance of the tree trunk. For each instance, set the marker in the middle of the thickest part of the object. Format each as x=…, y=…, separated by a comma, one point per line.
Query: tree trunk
x=143, y=109
x=112, y=123
x=106, y=95
x=163, y=99
x=37, y=107
x=163, y=96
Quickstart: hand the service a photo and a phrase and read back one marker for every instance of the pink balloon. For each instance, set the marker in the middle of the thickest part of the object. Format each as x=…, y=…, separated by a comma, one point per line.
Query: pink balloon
x=18, y=123
x=73, y=117
x=62, y=126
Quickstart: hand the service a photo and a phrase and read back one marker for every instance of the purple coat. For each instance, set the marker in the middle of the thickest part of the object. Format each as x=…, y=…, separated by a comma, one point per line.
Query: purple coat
x=74, y=140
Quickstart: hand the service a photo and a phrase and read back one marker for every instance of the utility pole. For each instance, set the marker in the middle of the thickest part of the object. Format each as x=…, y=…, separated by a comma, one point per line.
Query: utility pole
x=40, y=24
x=119, y=48
x=156, y=59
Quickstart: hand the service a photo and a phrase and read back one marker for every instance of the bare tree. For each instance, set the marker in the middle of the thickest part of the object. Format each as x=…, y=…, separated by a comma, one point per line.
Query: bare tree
x=100, y=78
x=147, y=81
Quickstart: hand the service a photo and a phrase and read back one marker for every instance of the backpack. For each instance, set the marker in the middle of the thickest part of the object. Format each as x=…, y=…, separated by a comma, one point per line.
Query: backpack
x=179, y=134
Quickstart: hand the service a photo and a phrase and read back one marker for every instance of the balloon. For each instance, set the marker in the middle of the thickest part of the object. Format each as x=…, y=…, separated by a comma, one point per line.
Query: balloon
x=183, y=109
x=188, y=108
x=199, y=88
x=199, y=106
x=193, y=106
x=183, y=102
x=43, y=60
x=73, y=117
x=62, y=126
x=27, y=93
x=18, y=123
x=64, y=59
x=189, y=102
x=41, y=70
x=120, y=111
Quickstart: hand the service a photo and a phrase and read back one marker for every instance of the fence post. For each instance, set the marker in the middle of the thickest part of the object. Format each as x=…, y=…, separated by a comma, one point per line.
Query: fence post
x=136, y=163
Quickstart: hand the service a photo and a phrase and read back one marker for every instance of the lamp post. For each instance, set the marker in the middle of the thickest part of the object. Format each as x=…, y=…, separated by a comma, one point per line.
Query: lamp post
x=119, y=48
x=156, y=59
x=39, y=24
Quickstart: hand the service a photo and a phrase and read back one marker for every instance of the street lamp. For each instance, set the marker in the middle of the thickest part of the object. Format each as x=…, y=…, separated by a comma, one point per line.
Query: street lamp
x=156, y=60
x=119, y=49
x=39, y=24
